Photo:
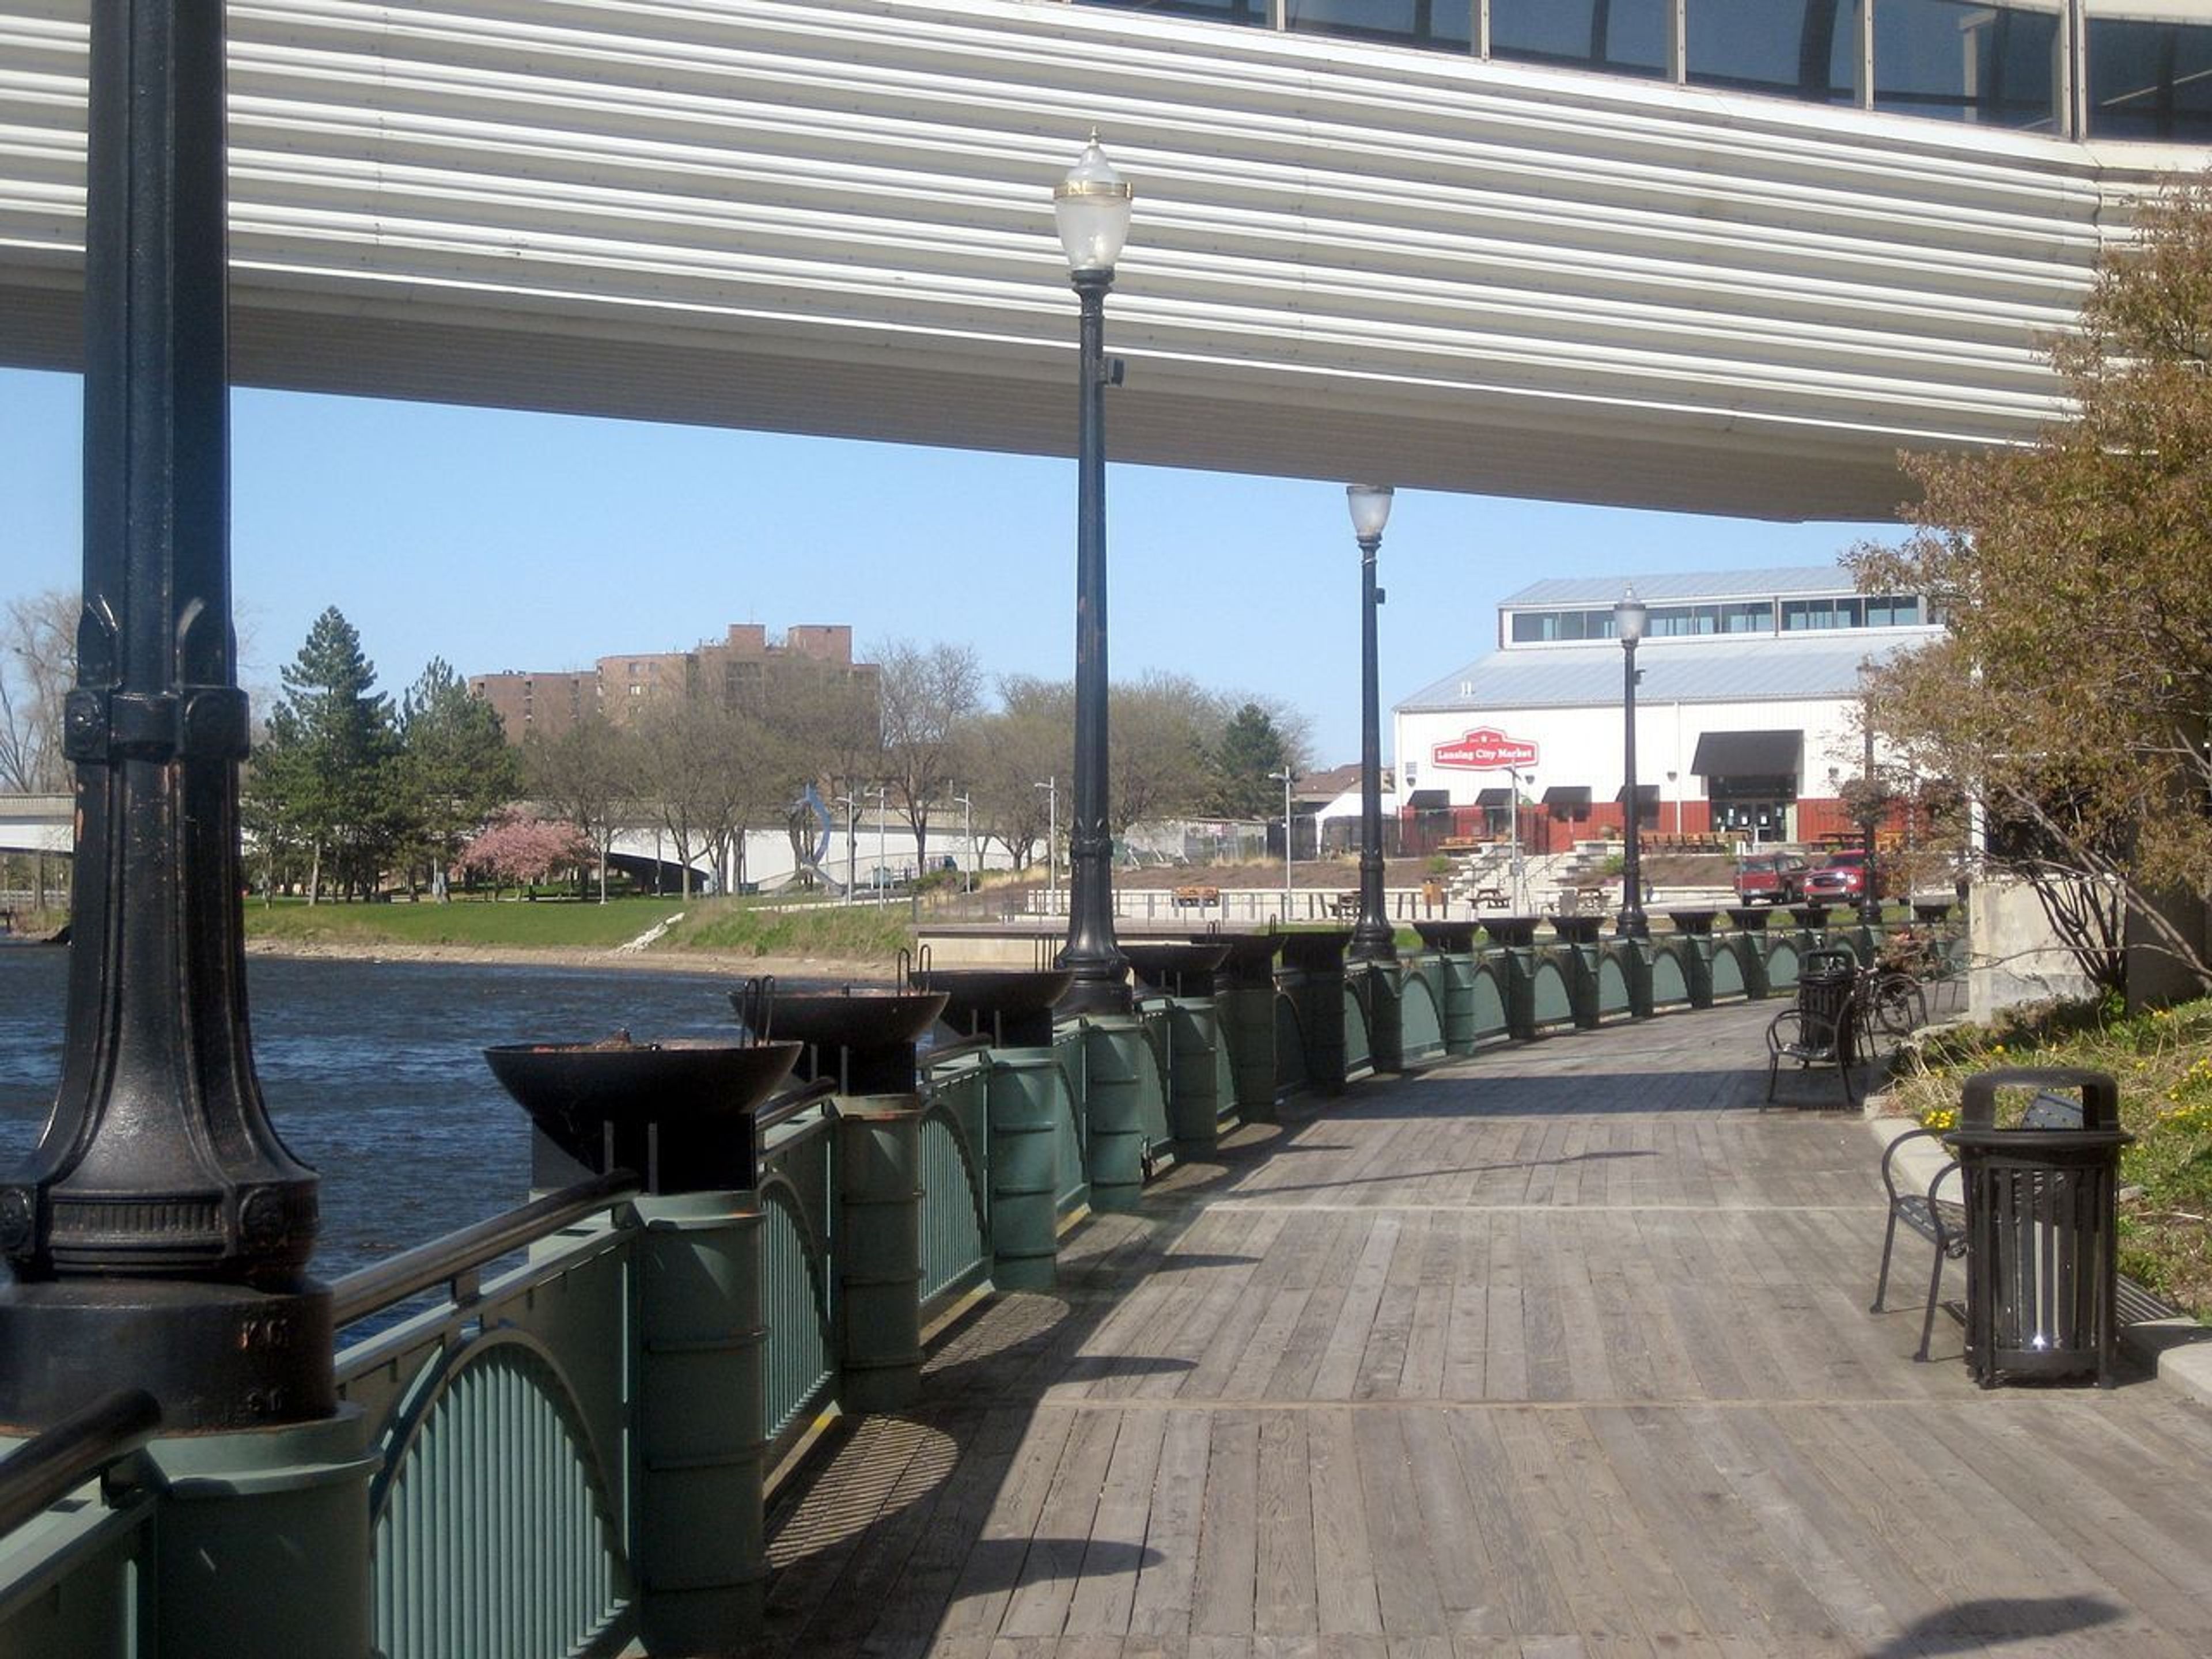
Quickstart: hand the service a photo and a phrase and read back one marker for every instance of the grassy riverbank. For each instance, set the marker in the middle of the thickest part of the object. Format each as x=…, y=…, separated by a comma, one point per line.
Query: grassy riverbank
x=720, y=928
x=2163, y=1060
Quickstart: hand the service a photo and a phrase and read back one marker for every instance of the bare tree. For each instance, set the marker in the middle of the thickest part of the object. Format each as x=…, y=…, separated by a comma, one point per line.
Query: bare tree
x=931, y=698
x=583, y=776
x=37, y=664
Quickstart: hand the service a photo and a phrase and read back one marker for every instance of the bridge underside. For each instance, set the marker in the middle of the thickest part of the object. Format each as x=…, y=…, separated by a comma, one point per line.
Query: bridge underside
x=832, y=218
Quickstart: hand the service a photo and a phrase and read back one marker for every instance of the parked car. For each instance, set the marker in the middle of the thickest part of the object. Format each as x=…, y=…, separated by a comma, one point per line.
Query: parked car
x=1840, y=876
x=1771, y=878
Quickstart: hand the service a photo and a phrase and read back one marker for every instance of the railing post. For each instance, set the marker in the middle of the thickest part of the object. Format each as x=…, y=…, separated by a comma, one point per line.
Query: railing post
x=1382, y=988
x=1023, y=1104
x=261, y=1541
x=879, y=1251
x=699, y=1547
x=1116, y=1081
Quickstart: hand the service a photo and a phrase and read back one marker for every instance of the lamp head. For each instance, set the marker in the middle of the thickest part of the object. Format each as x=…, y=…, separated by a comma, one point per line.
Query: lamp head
x=1370, y=509
x=1629, y=616
x=1090, y=208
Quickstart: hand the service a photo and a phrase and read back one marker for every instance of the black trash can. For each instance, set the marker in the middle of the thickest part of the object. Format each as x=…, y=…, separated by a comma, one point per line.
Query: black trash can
x=1826, y=982
x=2042, y=1233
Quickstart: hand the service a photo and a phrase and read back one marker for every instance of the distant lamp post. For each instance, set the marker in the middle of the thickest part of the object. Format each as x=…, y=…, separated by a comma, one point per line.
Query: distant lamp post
x=882, y=793
x=1051, y=787
x=1869, y=878
x=968, y=837
x=1629, y=616
x=1286, y=778
x=1371, y=937
x=1090, y=208
x=852, y=812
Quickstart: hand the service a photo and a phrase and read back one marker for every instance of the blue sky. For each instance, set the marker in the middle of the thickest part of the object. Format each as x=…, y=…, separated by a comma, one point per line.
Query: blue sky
x=504, y=540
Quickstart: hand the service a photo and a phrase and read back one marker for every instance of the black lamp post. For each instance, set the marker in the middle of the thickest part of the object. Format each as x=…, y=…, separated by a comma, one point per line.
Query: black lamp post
x=160, y=1232
x=1871, y=877
x=1090, y=207
x=1628, y=619
x=1372, y=939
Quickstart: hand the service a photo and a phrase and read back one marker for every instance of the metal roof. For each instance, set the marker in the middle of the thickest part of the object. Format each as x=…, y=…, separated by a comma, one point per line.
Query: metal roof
x=1704, y=669
x=1672, y=588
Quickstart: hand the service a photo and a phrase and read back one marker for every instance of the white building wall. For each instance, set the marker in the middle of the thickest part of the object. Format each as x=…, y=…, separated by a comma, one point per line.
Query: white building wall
x=1583, y=746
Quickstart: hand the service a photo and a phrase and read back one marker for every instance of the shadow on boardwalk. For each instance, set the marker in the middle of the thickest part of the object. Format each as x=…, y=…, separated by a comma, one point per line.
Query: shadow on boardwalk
x=1563, y=1350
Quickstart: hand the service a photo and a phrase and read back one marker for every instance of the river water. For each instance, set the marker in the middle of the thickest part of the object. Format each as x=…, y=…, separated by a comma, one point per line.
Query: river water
x=374, y=1074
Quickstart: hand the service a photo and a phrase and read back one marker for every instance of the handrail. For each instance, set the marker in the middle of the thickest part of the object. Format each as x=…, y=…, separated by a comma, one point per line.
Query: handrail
x=59, y=1460
x=789, y=1104
x=964, y=1047
x=372, y=1289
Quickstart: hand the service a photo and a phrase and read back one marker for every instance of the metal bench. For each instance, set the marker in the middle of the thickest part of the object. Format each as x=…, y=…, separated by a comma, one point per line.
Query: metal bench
x=1822, y=1027
x=1942, y=1221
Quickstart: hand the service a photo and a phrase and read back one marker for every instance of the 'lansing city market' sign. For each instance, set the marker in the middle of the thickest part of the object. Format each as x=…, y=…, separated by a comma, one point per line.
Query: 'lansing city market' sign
x=1483, y=749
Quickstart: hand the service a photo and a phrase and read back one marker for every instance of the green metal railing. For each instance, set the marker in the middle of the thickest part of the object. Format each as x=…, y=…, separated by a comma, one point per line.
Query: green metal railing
x=498, y=1438
x=546, y=1387
x=1072, y=1157
x=797, y=1195
x=956, y=1178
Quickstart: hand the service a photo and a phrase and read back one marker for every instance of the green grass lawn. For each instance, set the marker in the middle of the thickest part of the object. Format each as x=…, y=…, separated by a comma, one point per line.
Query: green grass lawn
x=2163, y=1061
x=506, y=923
x=851, y=932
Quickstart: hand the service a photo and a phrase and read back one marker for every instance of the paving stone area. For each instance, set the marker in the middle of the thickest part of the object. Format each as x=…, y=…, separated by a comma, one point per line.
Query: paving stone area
x=1560, y=1351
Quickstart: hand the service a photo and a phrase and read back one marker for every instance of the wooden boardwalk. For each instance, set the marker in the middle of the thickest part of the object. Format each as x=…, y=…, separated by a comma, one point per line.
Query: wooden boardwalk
x=1563, y=1350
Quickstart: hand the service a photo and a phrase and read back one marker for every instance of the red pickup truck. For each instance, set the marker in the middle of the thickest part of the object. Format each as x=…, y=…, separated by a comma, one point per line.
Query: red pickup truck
x=1771, y=878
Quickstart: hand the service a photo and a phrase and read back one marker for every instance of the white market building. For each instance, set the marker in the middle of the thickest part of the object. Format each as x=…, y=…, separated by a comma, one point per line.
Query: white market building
x=1747, y=706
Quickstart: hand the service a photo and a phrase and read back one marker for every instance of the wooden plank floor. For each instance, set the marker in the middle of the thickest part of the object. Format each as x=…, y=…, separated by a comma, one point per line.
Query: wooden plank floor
x=1560, y=1351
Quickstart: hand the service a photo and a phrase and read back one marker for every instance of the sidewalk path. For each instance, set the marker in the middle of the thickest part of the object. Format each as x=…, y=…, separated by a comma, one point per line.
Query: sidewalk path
x=1560, y=1351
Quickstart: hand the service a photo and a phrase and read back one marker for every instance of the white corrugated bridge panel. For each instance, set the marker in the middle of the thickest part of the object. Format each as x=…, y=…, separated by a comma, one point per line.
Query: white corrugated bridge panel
x=824, y=215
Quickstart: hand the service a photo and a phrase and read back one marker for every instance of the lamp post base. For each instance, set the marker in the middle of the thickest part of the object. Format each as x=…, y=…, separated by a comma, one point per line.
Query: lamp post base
x=217, y=1357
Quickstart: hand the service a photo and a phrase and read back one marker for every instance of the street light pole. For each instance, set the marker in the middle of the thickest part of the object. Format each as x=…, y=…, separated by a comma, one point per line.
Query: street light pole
x=1051, y=787
x=882, y=793
x=966, y=837
x=1286, y=778
x=1372, y=939
x=1869, y=880
x=160, y=1233
x=1628, y=619
x=852, y=808
x=1090, y=211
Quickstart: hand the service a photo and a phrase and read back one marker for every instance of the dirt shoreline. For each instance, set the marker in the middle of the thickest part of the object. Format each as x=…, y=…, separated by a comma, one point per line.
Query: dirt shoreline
x=613, y=958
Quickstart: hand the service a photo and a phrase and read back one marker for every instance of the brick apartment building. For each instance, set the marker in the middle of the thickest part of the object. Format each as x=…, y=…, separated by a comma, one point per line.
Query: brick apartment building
x=740, y=668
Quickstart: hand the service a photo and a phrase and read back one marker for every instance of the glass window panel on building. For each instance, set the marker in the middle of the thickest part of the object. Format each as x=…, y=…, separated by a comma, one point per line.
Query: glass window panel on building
x=1621, y=37
x=1993, y=65
x=1804, y=49
x=1747, y=616
x=2149, y=80
x=1443, y=23
x=1221, y=11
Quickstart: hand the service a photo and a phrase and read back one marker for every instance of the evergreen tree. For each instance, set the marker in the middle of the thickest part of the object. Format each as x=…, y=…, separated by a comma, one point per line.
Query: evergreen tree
x=1250, y=748
x=326, y=778
x=455, y=767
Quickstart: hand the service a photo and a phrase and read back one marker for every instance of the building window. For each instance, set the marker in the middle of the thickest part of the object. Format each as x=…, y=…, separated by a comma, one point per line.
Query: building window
x=1802, y=49
x=1620, y=37
x=1747, y=616
x=1993, y=65
x=1799, y=616
x=2150, y=80
x=1893, y=612
x=1221, y=11
x=1445, y=23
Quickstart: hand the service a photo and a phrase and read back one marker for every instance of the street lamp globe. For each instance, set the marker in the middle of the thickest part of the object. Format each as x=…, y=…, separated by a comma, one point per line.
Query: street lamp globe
x=1090, y=208
x=1370, y=509
x=1629, y=616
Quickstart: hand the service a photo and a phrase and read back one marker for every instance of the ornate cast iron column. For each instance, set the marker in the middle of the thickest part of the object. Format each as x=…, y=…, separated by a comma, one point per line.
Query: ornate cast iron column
x=1091, y=205
x=1371, y=937
x=160, y=1232
x=1628, y=619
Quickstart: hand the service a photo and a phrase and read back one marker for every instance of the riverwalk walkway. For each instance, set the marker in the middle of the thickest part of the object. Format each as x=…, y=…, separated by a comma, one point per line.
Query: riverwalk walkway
x=1560, y=1351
